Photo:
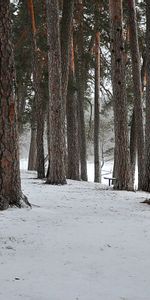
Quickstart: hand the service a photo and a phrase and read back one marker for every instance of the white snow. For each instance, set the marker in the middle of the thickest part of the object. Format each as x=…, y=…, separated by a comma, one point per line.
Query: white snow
x=107, y=171
x=81, y=241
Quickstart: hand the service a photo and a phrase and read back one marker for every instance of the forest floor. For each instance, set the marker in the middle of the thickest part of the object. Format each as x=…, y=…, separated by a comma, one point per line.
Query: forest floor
x=81, y=241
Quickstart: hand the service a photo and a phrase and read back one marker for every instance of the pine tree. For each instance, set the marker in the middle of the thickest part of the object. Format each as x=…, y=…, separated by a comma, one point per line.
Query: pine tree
x=97, y=163
x=57, y=173
x=38, y=94
x=147, y=126
x=122, y=167
x=81, y=88
x=65, y=36
x=72, y=122
x=10, y=184
x=137, y=89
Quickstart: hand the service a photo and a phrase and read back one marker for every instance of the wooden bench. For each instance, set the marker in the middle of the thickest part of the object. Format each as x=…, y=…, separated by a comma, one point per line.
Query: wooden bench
x=110, y=180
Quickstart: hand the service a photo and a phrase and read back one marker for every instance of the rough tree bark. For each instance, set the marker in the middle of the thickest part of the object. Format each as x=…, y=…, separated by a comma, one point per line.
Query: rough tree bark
x=72, y=123
x=137, y=86
x=10, y=183
x=38, y=95
x=65, y=35
x=133, y=138
x=122, y=162
x=80, y=90
x=21, y=94
x=56, y=174
x=97, y=164
x=133, y=148
x=66, y=31
x=32, y=159
x=147, y=126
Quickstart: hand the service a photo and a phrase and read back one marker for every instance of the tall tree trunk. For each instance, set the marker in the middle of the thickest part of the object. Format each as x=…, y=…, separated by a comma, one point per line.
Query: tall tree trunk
x=80, y=90
x=57, y=173
x=147, y=126
x=97, y=165
x=81, y=121
x=123, y=181
x=32, y=159
x=40, y=140
x=133, y=132
x=38, y=96
x=72, y=123
x=10, y=183
x=65, y=36
x=66, y=31
x=136, y=71
x=133, y=147
x=21, y=103
x=48, y=143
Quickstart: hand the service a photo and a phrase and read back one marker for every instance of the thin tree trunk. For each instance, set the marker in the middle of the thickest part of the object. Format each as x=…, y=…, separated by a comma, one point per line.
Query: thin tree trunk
x=82, y=132
x=137, y=90
x=21, y=103
x=115, y=164
x=133, y=148
x=56, y=122
x=66, y=31
x=123, y=181
x=97, y=164
x=143, y=70
x=65, y=37
x=40, y=116
x=133, y=137
x=72, y=124
x=38, y=96
x=32, y=160
x=48, y=143
x=80, y=90
x=147, y=126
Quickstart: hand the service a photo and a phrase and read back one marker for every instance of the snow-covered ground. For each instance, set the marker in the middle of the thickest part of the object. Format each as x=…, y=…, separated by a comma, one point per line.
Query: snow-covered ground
x=81, y=241
x=106, y=170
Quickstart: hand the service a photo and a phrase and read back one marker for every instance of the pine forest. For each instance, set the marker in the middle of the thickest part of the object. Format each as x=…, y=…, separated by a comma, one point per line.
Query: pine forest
x=74, y=149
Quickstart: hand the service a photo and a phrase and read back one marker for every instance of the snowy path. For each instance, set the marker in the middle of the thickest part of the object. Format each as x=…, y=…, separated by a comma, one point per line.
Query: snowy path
x=82, y=243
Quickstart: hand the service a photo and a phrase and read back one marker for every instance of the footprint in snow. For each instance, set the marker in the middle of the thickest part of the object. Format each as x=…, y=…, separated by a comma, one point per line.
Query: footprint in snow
x=9, y=248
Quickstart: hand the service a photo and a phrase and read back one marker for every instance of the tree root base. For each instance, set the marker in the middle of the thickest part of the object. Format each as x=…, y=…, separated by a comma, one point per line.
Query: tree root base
x=21, y=202
x=147, y=201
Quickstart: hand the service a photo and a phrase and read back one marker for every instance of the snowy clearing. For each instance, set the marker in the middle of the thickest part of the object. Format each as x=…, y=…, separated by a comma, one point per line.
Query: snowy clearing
x=81, y=242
